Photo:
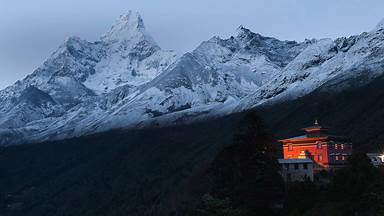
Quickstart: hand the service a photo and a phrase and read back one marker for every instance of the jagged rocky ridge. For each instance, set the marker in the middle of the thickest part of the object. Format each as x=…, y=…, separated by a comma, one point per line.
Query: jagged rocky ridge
x=126, y=80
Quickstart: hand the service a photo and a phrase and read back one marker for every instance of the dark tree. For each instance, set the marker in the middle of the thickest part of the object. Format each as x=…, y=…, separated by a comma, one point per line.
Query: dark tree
x=356, y=189
x=216, y=207
x=354, y=179
x=246, y=172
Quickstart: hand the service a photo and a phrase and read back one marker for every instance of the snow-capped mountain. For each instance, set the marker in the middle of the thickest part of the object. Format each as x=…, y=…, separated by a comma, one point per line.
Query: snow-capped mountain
x=79, y=71
x=126, y=80
x=213, y=78
x=333, y=65
x=131, y=56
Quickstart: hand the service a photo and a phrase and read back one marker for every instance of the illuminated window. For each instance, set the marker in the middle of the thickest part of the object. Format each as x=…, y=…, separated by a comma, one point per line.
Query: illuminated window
x=335, y=146
x=337, y=157
x=342, y=146
x=290, y=147
x=343, y=158
x=319, y=157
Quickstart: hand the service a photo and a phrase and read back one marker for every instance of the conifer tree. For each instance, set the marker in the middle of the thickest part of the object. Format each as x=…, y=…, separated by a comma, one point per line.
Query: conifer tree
x=246, y=172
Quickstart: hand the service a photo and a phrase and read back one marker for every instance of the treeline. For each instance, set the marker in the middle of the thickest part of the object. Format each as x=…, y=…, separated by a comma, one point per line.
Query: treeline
x=243, y=180
x=127, y=172
x=135, y=172
x=357, y=189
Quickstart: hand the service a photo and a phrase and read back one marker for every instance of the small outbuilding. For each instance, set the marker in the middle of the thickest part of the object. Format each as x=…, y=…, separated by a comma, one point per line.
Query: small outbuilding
x=296, y=169
x=376, y=159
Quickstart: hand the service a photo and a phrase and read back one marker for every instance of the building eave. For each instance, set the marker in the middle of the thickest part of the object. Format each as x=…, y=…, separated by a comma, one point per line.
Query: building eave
x=307, y=139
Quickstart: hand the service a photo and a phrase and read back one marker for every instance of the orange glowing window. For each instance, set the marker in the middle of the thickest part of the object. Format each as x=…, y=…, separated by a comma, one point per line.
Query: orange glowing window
x=290, y=148
x=319, y=157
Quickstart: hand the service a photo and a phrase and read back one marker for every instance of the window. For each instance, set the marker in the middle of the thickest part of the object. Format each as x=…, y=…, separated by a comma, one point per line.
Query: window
x=335, y=146
x=296, y=166
x=343, y=158
x=319, y=157
x=337, y=157
x=290, y=148
x=305, y=166
x=342, y=146
x=318, y=145
x=286, y=166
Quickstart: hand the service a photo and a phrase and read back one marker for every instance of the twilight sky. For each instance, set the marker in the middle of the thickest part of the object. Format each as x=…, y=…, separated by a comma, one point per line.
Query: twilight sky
x=31, y=30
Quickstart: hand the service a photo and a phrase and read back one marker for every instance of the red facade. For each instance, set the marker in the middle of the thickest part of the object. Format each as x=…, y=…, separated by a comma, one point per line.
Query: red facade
x=325, y=150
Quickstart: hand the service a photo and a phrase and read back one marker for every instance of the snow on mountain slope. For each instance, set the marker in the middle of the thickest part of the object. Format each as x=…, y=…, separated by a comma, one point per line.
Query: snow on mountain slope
x=132, y=56
x=219, y=71
x=215, y=76
x=326, y=63
x=33, y=104
x=126, y=80
x=79, y=70
x=60, y=76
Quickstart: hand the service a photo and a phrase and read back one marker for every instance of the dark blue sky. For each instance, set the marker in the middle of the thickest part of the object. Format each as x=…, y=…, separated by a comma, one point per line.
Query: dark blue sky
x=31, y=30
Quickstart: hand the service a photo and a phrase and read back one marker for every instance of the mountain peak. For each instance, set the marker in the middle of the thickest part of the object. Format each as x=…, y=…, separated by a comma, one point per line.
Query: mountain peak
x=245, y=34
x=241, y=30
x=131, y=19
x=127, y=27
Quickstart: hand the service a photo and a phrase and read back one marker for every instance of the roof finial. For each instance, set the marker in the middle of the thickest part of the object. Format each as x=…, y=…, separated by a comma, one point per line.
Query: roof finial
x=316, y=122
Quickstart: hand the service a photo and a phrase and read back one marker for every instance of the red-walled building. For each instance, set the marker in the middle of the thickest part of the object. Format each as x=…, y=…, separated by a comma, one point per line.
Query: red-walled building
x=326, y=151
